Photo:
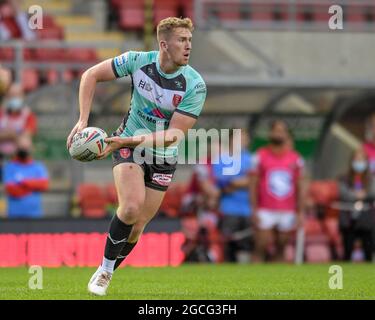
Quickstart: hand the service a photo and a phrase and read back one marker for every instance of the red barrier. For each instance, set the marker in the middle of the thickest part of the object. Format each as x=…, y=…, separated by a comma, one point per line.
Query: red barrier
x=86, y=250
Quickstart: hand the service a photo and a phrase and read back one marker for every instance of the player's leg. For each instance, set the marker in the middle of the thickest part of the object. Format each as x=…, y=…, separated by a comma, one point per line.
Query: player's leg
x=150, y=207
x=282, y=239
x=265, y=223
x=131, y=195
x=286, y=226
x=129, y=182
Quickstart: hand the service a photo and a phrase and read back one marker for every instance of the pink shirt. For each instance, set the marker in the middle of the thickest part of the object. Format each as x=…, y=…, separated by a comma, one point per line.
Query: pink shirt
x=278, y=175
x=370, y=152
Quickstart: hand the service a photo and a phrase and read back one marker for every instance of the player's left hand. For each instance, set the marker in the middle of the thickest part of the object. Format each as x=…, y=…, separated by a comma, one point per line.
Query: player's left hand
x=113, y=143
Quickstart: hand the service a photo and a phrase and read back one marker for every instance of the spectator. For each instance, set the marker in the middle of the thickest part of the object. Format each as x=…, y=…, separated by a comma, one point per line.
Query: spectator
x=277, y=191
x=369, y=148
x=202, y=191
x=199, y=210
x=14, y=23
x=15, y=119
x=357, y=195
x=24, y=180
x=234, y=202
x=369, y=145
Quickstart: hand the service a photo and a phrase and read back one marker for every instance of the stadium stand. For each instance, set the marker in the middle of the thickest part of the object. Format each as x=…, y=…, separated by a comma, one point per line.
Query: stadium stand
x=92, y=201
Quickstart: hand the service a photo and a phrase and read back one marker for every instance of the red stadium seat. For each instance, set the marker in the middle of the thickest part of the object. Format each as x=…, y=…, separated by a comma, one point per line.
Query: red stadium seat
x=356, y=14
x=187, y=7
x=111, y=194
x=281, y=12
x=52, y=76
x=49, y=54
x=127, y=4
x=171, y=204
x=261, y=12
x=80, y=55
x=131, y=19
x=49, y=21
x=92, y=201
x=30, y=79
x=6, y=54
x=165, y=4
x=323, y=192
x=320, y=13
x=228, y=11
x=56, y=33
x=161, y=13
x=317, y=253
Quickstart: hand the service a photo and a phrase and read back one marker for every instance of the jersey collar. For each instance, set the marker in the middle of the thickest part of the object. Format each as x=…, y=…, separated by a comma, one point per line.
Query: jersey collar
x=167, y=75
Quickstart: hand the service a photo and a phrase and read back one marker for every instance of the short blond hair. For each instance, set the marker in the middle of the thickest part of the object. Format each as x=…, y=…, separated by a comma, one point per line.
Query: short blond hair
x=167, y=25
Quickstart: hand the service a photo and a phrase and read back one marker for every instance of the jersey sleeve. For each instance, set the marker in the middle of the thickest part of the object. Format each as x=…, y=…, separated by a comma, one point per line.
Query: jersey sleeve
x=192, y=103
x=126, y=63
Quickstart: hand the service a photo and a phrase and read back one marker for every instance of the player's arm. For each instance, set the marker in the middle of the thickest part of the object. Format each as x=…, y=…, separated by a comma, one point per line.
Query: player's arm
x=178, y=127
x=101, y=72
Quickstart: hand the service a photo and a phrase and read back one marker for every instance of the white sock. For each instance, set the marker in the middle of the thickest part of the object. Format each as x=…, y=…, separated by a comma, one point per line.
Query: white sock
x=108, y=265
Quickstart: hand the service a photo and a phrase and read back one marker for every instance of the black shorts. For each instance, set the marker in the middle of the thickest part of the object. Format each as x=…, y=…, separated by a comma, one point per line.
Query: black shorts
x=157, y=175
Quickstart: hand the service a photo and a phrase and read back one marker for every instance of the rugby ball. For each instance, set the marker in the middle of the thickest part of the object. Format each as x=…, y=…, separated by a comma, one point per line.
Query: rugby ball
x=87, y=144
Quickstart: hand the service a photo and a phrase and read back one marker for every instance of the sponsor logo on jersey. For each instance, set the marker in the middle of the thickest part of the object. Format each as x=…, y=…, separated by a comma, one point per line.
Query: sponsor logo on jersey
x=178, y=84
x=150, y=71
x=162, y=179
x=120, y=60
x=125, y=153
x=158, y=96
x=151, y=118
x=280, y=183
x=155, y=112
x=148, y=87
x=200, y=88
x=176, y=100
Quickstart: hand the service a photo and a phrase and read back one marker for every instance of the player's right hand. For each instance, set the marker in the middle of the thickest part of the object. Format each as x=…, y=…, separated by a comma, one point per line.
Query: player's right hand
x=80, y=125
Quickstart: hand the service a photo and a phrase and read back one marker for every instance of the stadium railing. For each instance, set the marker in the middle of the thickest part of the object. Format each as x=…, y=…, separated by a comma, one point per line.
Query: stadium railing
x=295, y=15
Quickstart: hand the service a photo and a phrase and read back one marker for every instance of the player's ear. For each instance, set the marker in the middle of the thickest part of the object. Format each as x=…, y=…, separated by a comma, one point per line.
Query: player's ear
x=164, y=45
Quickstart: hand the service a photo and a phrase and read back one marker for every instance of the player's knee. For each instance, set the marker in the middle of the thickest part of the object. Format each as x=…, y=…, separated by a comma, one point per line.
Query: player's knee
x=129, y=213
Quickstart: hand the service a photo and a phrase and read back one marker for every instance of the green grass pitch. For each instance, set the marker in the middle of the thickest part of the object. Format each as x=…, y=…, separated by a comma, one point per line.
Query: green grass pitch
x=204, y=282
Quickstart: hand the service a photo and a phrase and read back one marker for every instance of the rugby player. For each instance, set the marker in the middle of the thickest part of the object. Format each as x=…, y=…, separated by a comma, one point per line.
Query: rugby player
x=167, y=93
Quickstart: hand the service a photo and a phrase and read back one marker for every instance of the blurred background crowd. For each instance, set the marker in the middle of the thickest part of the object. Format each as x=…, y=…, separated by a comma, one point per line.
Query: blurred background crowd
x=301, y=94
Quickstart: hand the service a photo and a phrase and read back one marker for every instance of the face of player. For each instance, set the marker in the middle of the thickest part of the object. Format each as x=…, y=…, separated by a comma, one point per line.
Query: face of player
x=178, y=46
